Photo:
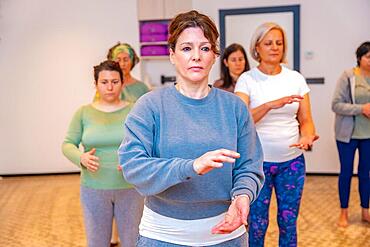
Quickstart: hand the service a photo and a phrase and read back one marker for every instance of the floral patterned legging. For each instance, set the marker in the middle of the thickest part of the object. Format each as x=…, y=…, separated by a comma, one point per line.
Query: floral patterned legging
x=287, y=178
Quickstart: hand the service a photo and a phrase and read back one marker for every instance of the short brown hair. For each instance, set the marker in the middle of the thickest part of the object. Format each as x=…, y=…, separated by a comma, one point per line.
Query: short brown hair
x=193, y=19
x=107, y=65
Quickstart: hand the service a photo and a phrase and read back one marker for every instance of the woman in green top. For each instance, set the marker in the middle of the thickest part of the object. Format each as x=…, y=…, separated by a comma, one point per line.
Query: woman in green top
x=104, y=192
x=351, y=104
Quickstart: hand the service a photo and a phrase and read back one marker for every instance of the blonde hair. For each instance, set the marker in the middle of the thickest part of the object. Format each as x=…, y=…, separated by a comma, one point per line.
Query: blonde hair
x=260, y=34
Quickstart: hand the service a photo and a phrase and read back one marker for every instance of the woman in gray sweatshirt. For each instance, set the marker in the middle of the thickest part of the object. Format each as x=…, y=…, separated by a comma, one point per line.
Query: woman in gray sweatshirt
x=192, y=150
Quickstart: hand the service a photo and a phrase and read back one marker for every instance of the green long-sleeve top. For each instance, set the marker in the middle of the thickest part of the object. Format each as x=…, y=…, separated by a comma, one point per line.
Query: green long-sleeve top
x=132, y=92
x=103, y=131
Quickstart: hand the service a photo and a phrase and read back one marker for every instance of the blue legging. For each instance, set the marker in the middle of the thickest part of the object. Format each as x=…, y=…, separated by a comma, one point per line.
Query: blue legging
x=287, y=178
x=346, y=156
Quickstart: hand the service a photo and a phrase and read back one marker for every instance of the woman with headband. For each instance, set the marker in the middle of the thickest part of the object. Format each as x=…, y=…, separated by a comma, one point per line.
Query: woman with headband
x=125, y=55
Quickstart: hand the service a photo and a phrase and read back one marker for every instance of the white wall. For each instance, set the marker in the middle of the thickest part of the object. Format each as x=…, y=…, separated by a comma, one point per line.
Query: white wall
x=48, y=48
x=332, y=30
x=47, y=51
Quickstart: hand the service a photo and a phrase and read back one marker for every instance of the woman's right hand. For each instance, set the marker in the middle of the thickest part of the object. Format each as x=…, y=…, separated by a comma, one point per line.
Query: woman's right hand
x=366, y=110
x=90, y=161
x=214, y=159
x=275, y=104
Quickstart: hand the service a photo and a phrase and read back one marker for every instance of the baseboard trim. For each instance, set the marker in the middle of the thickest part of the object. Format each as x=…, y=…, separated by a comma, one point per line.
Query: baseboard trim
x=38, y=174
x=321, y=174
x=77, y=172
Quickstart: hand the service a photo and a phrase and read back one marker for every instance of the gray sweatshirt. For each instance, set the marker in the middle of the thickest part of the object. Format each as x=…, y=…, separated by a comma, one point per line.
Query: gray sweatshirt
x=343, y=104
x=166, y=132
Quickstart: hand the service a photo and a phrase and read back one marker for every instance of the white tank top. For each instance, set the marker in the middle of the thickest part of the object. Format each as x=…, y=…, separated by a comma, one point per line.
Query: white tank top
x=184, y=232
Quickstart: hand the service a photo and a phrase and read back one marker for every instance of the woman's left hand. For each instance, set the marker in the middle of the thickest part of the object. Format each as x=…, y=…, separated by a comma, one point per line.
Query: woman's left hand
x=235, y=217
x=305, y=142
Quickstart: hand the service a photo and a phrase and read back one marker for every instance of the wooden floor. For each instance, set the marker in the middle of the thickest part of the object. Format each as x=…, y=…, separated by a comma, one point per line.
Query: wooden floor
x=44, y=211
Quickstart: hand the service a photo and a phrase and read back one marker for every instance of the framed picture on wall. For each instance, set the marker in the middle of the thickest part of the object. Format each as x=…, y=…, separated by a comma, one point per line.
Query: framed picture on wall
x=238, y=26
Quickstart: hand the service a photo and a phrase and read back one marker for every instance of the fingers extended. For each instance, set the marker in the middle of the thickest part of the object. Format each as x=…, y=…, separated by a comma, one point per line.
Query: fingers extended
x=228, y=153
x=222, y=158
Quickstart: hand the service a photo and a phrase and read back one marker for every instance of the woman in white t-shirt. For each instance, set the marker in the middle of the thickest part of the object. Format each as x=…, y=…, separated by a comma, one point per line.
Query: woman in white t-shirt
x=279, y=102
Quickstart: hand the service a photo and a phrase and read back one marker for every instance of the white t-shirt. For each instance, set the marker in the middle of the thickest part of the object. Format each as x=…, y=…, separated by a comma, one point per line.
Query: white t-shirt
x=279, y=128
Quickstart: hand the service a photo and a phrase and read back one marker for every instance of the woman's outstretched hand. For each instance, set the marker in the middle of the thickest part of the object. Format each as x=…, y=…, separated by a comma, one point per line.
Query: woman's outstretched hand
x=275, y=104
x=305, y=142
x=214, y=159
x=236, y=216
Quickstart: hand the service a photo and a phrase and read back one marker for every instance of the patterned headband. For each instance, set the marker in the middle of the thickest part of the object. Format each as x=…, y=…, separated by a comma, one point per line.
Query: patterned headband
x=123, y=48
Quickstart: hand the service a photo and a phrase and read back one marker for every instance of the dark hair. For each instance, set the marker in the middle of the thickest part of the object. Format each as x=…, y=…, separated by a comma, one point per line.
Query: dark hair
x=363, y=49
x=193, y=19
x=131, y=52
x=225, y=73
x=107, y=65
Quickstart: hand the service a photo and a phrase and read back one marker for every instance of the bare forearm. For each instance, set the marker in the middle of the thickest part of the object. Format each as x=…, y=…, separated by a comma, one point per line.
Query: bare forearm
x=259, y=112
x=307, y=128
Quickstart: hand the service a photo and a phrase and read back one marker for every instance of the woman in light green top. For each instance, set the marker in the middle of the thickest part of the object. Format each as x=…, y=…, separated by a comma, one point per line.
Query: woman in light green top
x=351, y=104
x=104, y=192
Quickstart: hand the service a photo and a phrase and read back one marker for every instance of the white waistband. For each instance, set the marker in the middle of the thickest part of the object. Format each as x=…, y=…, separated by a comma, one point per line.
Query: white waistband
x=185, y=232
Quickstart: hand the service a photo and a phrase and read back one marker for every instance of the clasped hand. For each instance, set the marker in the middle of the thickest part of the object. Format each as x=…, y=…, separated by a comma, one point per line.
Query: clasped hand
x=89, y=160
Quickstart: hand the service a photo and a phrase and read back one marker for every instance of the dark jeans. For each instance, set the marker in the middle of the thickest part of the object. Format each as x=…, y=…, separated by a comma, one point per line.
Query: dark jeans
x=346, y=156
